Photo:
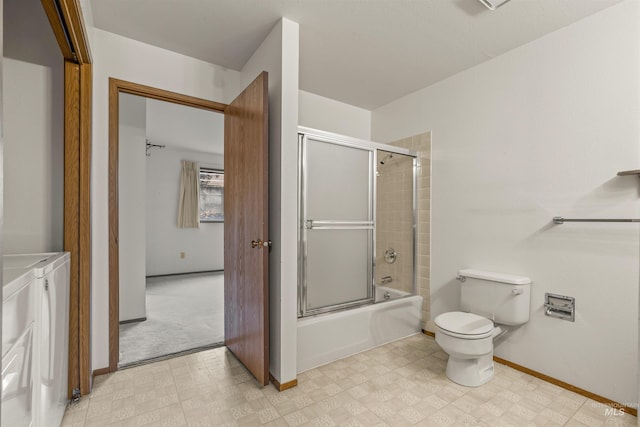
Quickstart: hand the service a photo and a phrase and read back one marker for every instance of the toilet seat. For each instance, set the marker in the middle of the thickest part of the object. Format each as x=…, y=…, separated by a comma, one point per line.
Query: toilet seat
x=464, y=325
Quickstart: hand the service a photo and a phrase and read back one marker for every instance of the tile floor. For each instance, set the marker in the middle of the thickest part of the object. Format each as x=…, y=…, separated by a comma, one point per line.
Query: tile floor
x=399, y=384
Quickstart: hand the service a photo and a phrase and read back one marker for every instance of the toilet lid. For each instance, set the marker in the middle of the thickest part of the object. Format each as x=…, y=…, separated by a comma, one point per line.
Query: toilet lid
x=462, y=323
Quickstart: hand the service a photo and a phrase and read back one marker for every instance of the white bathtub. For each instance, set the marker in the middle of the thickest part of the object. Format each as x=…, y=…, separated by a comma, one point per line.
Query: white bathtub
x=328, y=337
x=384, y=294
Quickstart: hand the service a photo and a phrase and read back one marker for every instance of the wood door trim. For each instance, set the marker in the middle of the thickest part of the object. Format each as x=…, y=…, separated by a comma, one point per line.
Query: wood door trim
x=65, y=17
x=77, y=219
x=51, y=10
x=116, y=87
x=84, y=245
x=73, y=17
x=114, y=262
x=166, y=95
x=71, y=209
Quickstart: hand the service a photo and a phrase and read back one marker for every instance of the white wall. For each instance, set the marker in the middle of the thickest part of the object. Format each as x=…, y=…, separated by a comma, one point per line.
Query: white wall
x=538, y=132
x=122, y=58
x=329, y=115
x=186, y=127
x=1, y=162
x=204, y=246
x=278, y=55
x=33, y=101
x=131, y=206
x=150, y=242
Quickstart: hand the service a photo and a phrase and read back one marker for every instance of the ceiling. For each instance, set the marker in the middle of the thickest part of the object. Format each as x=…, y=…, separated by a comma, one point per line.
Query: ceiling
x=362, y=52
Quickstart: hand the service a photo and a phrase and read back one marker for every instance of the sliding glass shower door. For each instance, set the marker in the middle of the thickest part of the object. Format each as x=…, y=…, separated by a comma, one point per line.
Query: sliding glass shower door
x=336, y=229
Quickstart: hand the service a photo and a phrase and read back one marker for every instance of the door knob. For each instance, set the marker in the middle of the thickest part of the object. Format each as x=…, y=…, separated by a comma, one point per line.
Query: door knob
x=259, y=243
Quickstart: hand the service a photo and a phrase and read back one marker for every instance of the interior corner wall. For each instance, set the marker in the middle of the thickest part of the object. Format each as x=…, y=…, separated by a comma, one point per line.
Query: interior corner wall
x=130, y=60
x=131, y=207
x=318, y=112
x=33, y=100
x=203, y=247
x=278, y=55
x=34, y=157
x=538, y=132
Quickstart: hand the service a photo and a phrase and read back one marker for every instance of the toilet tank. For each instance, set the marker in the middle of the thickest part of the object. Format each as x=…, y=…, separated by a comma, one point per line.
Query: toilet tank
x=503, y=298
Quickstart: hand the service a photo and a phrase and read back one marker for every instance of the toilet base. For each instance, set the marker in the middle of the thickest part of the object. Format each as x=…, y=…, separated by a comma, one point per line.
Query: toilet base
x=470, y=372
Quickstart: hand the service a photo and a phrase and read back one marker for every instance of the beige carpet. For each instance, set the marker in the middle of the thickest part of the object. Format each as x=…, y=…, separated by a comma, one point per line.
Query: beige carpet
x=183, y=312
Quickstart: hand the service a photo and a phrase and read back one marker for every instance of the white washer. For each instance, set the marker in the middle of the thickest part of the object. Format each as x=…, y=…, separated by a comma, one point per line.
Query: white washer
x=51, y=333
x=17, y=331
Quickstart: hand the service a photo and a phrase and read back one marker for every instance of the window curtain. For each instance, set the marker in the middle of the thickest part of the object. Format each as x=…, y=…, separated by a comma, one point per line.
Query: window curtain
x=188, y=205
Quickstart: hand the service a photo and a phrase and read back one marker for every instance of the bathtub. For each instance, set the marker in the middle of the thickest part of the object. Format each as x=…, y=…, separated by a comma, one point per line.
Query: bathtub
x=325, y=338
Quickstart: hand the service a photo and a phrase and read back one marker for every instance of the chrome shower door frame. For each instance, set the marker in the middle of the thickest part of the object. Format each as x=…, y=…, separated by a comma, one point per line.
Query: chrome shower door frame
x=304, y=225
x=416, y=170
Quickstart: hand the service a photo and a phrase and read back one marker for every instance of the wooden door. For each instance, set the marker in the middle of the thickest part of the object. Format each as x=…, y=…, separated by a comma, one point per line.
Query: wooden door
x=246, y=255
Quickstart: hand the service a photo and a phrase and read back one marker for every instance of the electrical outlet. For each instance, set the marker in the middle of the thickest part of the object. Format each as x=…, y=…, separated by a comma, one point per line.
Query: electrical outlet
x=183, y=255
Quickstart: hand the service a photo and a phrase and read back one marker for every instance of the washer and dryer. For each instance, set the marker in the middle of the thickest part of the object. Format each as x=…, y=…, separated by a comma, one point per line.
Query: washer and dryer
x=18, y=307
x=50, y=320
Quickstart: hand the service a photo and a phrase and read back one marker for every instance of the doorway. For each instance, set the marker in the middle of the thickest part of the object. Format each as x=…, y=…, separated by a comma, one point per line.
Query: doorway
x=171, y=275
x=246, y=239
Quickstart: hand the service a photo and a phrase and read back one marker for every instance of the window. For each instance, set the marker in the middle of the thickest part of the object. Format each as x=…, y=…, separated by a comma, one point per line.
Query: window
x=211, y=195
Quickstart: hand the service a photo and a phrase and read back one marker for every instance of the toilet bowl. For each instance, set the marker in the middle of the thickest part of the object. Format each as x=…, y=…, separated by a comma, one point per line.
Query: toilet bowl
x=468, y=336
x=468, y=340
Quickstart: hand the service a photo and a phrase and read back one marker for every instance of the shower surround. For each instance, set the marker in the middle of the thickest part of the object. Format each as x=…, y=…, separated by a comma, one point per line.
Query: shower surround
x=393, y=218
x=394, y=222
x=341, y=312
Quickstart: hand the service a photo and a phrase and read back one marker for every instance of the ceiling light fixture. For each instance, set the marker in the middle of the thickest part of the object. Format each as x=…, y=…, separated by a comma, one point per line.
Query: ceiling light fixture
x=493, y=4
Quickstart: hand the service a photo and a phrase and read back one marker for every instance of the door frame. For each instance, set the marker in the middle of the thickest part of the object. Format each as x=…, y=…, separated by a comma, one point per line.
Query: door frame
x=116, y=87
x=66, y=20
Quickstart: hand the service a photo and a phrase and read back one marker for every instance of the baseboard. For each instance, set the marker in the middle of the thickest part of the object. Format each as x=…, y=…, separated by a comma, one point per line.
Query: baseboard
x=101, y=371
x=567, y=386
x=140, y=319
x=184, y=274
x=282, y=387
x=628, y=409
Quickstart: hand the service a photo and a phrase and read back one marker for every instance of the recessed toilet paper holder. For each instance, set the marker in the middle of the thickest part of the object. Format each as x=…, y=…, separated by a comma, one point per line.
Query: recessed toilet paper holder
x=560, y=306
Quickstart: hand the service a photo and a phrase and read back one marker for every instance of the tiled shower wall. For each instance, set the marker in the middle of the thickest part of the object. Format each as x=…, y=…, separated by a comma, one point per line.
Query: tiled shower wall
x=394, y=221
x=421, y=144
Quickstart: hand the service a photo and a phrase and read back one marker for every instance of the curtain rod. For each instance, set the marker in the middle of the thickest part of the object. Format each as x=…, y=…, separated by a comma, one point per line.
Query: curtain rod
x=150, y=146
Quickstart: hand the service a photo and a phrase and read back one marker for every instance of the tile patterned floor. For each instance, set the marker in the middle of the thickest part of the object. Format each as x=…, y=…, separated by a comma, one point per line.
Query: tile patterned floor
x=399, y=384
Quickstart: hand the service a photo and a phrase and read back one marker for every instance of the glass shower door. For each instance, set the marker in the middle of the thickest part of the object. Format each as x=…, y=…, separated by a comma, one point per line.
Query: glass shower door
x=336, y=213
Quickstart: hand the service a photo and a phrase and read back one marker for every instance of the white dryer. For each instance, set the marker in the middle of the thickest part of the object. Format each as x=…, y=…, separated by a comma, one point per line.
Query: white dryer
x=17, y=330
x=51, y=333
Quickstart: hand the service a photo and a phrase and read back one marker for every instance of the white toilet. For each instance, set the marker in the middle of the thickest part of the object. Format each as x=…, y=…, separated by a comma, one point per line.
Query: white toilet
x=467, y=336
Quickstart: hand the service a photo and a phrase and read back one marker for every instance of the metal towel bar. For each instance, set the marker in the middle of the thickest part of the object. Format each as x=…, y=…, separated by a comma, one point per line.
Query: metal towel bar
x=561, y=220
x=312, y=224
